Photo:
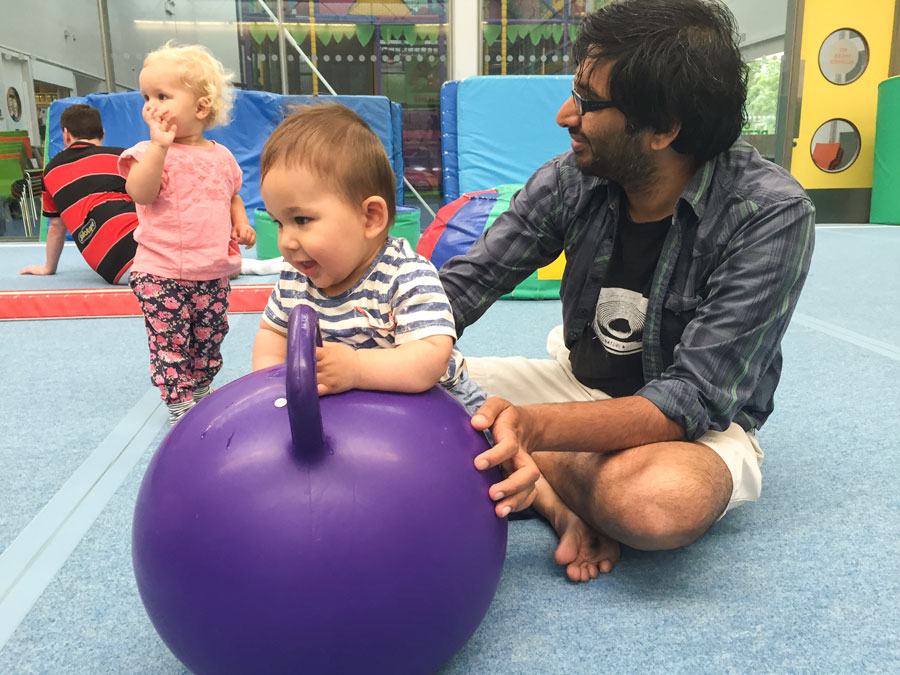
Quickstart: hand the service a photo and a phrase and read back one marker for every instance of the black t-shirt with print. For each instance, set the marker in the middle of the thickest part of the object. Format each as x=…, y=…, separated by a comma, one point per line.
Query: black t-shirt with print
x=608, y=354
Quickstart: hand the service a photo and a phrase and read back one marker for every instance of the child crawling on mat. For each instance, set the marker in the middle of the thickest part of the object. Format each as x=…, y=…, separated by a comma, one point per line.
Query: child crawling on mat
x=386, y=324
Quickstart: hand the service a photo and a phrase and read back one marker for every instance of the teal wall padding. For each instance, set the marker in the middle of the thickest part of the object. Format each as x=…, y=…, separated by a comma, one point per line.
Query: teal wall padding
x=886, y=171
x=406, y=224
x=266, y=235
x=506, y=127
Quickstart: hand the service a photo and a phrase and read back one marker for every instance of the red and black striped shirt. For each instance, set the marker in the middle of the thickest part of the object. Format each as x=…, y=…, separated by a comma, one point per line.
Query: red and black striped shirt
x=82, y=186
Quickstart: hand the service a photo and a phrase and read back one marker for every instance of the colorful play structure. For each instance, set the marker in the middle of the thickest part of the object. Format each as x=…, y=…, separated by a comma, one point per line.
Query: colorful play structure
x=845, y=140
x=459, y=223
x=487, y=155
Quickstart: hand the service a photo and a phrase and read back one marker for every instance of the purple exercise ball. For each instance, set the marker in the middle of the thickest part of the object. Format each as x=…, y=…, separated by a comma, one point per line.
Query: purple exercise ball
x=279, y=532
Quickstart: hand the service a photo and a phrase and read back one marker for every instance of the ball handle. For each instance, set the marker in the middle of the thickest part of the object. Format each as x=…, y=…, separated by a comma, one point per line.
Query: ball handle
x=301, y=383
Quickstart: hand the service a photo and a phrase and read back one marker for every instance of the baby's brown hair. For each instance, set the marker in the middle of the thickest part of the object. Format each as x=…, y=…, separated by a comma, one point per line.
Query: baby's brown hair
x=334, y=143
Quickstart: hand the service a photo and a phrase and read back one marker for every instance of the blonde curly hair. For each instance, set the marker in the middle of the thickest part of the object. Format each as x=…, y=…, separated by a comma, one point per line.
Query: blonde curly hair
x=204, y=73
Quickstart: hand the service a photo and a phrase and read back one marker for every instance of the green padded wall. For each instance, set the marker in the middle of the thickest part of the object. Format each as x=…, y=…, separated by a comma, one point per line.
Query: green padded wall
x=886, y=170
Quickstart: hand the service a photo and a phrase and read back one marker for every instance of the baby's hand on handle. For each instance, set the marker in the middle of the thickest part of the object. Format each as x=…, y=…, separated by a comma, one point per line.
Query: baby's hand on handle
x=513, y=432
x=337, y=368
x=242, y=233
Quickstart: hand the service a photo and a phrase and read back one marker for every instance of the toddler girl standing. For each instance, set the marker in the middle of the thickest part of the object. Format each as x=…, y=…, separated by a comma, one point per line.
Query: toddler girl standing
x=190, y=221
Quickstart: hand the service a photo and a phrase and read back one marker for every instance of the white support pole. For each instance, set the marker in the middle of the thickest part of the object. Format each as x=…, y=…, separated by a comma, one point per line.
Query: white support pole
x=465, y=39
x=282, y=52
x=106, y=46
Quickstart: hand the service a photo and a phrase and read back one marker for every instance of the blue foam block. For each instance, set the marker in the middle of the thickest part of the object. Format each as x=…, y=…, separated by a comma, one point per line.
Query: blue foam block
x=506, y=127
x=449, y=146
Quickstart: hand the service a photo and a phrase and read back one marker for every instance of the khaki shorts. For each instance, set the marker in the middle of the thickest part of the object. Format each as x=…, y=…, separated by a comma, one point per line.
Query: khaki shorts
x=529, y=381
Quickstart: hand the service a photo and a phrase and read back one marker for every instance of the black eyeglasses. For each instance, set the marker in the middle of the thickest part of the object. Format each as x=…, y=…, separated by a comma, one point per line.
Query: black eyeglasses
x=585, y=106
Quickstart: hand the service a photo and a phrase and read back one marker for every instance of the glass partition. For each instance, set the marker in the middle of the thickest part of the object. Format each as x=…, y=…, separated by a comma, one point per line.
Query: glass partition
x=531, y=37
x=393, y=49
x=764, y=78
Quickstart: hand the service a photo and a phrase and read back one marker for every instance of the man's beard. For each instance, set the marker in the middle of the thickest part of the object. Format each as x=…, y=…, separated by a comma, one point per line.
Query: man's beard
x=621, y=160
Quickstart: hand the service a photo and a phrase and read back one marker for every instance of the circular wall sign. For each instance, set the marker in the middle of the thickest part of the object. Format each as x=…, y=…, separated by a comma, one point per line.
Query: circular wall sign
x=14, y=104
x=843, y=56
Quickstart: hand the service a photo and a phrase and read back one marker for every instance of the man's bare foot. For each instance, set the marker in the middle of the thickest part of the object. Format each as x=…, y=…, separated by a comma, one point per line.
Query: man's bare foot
x=584, y=551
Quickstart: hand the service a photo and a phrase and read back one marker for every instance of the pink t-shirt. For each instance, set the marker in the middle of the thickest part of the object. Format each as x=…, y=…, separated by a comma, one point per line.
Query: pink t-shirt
x=185, y=233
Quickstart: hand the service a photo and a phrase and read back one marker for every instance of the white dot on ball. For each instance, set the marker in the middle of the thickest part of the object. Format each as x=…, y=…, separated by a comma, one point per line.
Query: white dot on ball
x=280, y=402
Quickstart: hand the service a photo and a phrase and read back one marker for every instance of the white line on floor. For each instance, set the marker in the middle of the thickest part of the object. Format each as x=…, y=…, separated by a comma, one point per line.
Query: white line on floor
x=32, y=560
x=853, y=338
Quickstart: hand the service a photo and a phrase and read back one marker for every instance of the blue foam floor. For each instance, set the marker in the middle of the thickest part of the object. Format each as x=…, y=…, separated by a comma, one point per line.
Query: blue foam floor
x=853, y=282
x=59, y=404
x=804, y=581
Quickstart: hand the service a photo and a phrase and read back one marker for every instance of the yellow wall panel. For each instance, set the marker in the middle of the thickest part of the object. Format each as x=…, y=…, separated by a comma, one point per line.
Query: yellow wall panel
x=554, y=270
x=822, y=100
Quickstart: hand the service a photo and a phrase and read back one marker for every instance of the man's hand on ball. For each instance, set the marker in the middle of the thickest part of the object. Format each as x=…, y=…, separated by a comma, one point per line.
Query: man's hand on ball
x=512, y=430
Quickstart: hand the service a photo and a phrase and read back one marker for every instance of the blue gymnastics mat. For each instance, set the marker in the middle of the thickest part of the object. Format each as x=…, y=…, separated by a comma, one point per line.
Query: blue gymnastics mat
x=488, y=129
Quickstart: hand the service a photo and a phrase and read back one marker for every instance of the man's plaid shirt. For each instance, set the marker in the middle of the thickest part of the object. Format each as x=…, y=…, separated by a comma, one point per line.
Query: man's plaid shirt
x=728, y=278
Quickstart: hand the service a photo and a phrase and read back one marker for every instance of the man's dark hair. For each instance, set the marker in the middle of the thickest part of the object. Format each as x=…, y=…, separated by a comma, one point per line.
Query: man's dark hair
x=674, y=61
x=82, y=121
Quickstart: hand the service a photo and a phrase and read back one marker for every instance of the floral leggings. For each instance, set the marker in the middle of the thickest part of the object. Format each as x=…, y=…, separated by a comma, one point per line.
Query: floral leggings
x=186, y=324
